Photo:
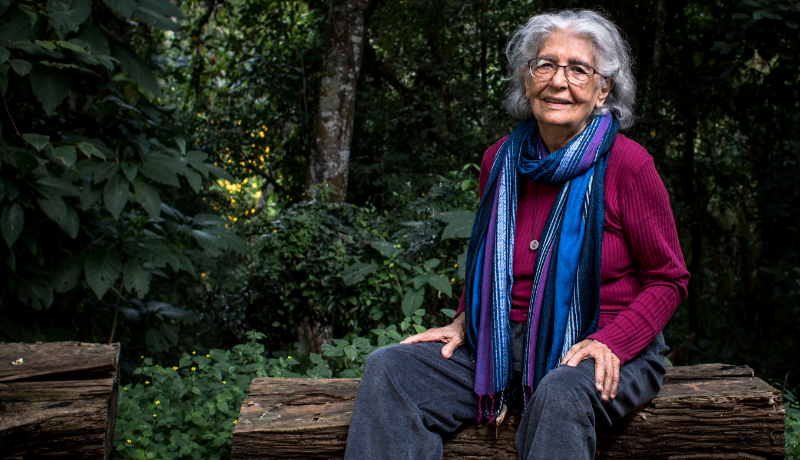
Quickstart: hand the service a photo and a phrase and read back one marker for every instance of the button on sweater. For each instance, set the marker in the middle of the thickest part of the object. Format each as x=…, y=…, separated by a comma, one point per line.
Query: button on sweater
x=642, y=272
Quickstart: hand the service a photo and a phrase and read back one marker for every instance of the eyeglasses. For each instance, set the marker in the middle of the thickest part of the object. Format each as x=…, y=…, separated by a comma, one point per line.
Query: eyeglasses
x=577, y=74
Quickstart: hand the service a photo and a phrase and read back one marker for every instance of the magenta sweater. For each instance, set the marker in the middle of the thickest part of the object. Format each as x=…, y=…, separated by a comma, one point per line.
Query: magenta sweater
x=643, y=275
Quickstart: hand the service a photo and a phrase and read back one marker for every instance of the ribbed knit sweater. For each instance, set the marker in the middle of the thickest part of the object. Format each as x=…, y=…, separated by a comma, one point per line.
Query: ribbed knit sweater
x=643, y=276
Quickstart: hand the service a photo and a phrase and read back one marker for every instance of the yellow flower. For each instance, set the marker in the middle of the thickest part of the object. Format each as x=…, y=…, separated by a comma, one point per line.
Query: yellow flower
x=252, y=135
x=253, y=210
x=124, y=388
x=234, y=422
x=274, y=231
x=240, y=122
x=208, y=356
x=267, y=149
x=199, y=114
x=175, y=368
x=158, y=402
x=288, y=357
x=258, y=194
x=223, y=382
x=456, y=265
x=154, y=415
x=452, y=280
x=193, y=353
x=142, y=356
x=129, y=441
x=147, y=382
x=261, y=133
x=194, y=368
x=235, y=219
x=202, y=274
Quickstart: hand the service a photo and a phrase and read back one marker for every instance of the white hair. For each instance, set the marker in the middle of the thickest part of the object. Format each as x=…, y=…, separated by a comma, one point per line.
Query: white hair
x=611, y=54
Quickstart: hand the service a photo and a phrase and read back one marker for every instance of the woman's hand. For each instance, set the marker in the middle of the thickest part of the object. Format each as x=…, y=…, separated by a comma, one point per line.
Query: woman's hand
x=452, y=335
x=606, y=365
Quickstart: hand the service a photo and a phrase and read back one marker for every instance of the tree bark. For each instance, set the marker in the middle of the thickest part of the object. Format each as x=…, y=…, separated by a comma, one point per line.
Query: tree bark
x=706, y=411
x=59, y=400
x=333, y=129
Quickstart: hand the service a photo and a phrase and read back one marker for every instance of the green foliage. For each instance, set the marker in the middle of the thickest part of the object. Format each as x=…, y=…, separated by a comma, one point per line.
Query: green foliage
x=792, y=406
x=190, y=410
x=94, y=168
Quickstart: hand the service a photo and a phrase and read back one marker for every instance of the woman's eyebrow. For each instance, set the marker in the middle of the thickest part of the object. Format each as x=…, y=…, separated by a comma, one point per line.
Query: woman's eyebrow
x=569, y=61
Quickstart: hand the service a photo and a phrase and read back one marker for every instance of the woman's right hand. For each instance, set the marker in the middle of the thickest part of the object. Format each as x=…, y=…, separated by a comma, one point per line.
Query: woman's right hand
x=453, y=336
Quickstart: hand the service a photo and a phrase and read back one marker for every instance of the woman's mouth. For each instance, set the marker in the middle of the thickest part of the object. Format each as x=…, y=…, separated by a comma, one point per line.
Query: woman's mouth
x=556, y=101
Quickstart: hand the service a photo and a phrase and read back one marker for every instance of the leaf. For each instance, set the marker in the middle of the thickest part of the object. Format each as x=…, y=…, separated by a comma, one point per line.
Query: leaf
x=67, y=15
x=12, y=221
x=98, y=45
x=462, y=265
x=72, y=223
x=135, y=67
x=50, y=87
x=68, y=155
x=135, y=277
x=163, y=168
x=428, y=265
x=68, y=274
x=59, y=187
x=55, y=208
x=26, y=162
x=357, y=272
x=207, y=241
x=90, y=150
x=441, y=283
x=130, y=170
x=105, y=171
x=116, y=194
x=102, y=269
x=220, y=172
x=156, y=341
x=4, y=54
x=412, y=300
x=459, y=224
x=122, y=7
x=90, y=196
x=465, y=185
x=36, y=140
x=21, y=66
x=165, y=309
x=194, y=180
x=448, y=312
x=387, y=249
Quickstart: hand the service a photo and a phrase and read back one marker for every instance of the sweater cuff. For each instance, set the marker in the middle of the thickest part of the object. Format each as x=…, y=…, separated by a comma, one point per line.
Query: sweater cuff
x=618, y=339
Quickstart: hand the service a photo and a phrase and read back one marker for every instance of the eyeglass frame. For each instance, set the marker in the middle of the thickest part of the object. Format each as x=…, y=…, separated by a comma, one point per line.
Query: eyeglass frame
x=530, y=69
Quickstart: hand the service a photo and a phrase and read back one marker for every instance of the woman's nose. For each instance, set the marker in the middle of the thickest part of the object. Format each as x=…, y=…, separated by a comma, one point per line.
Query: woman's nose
x=559, y=78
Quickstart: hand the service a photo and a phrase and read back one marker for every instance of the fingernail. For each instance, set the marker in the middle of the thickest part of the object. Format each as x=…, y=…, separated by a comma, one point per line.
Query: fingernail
x=613, y=396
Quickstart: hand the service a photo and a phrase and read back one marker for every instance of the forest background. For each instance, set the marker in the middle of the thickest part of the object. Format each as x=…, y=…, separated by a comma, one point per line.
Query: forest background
x=163, y=176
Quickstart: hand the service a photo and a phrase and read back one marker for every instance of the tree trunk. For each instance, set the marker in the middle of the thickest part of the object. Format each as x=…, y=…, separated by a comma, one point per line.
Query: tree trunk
x=330, y=155
x=707, y=411
x=58, y=400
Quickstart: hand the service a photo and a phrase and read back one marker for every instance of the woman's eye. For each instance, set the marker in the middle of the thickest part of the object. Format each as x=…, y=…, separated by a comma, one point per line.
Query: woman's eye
x=544, y=65
x=579, y=69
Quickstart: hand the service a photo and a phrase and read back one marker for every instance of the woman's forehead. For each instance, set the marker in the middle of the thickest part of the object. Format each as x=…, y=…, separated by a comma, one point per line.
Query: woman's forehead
x=566, y=46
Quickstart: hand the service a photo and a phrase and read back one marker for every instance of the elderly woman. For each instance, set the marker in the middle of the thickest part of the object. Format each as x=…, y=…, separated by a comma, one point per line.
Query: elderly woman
x=573, y=269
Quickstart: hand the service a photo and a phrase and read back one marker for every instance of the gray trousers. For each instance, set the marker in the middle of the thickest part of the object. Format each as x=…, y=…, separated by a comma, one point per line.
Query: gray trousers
x=409, y=395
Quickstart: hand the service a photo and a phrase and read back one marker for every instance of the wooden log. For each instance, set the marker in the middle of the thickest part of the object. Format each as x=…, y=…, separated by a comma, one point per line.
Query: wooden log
x=706, y=411
x=58, y=400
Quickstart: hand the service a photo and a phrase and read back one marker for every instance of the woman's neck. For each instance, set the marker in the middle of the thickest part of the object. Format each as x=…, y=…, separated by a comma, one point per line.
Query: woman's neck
x=557, y=137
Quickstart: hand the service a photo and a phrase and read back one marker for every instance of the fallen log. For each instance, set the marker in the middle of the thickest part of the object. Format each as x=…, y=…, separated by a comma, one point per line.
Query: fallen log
x=58, y=400
x=705, y=411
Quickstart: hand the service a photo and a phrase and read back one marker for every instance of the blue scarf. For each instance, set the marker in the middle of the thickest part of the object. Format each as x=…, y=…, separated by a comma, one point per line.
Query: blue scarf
x=565, y=302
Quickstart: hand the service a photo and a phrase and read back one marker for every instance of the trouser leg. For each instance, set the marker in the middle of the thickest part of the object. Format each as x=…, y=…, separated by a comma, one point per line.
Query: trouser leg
x=408, y=395
x=562, y=416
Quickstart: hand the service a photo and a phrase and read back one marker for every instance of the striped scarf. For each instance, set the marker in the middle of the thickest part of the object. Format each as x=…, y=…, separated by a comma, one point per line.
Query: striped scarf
x=565, y=302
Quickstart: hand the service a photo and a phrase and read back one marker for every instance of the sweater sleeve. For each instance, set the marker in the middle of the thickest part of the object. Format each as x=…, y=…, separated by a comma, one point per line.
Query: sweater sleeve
x=486, y=168
x=653, y=241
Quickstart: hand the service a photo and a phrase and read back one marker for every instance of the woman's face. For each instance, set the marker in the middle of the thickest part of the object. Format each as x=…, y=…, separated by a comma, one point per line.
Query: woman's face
x=562, y=108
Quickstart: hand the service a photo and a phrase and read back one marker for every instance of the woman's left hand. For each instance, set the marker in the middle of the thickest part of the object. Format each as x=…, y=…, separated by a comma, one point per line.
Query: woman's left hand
x=606, y=365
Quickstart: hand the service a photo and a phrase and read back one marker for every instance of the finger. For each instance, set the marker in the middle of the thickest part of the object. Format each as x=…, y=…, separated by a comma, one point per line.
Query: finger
x=449, y=348
x=579, y=356
x=432, y=335
x=599, y=371
x=570, y=353
x=615, y=384
x=608, y=380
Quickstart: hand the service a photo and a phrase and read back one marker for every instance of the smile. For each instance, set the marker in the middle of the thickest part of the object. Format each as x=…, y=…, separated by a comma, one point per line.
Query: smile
x=555, y=100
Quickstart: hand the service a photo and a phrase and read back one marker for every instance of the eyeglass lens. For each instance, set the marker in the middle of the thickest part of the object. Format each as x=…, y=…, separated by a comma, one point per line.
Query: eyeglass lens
x=575, y=73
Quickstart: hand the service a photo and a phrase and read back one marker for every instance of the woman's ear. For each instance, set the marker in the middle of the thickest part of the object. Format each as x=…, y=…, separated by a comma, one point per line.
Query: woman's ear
x=604, y=92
